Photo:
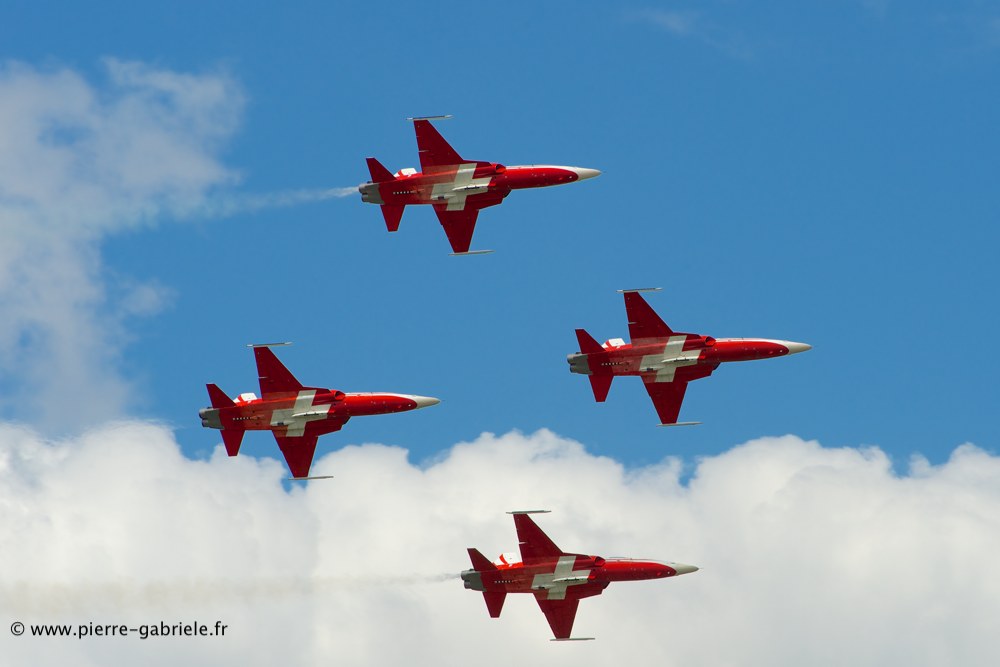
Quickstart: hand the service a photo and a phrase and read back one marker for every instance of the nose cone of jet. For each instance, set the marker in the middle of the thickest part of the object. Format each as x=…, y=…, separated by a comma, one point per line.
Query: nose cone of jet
x=796, y=347
x=681, y=568
x=582, y=173
x=425, y=401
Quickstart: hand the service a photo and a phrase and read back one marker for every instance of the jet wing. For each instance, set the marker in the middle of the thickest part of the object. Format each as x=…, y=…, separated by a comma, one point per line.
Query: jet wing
x=273, y=376
x=535, y=544
x=643, y=322
x=559, y=613
x=458, y=225
x=667, y=397
x=299, y=450
x=434, y=151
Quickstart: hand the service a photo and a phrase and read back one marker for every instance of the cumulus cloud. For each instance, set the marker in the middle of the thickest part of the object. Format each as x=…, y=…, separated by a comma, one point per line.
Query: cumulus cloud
x=79, y=161
x=810, y=555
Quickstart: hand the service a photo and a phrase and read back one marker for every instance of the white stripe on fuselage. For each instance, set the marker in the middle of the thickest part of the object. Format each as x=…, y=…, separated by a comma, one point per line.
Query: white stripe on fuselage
x=455, y=192
x=564, y=570
x=667, y=362
x=302, y=412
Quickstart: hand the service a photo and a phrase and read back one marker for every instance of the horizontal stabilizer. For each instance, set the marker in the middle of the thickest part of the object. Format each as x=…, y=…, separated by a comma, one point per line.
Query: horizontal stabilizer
x=601, y=384
x=232, y=440
x=680, y=424
x=494, y=602
x=306, y=479
x=574, y=639
x=379, y=173
x=480, y=563
x=218, y=397
x=392, y=213
x=471, y=252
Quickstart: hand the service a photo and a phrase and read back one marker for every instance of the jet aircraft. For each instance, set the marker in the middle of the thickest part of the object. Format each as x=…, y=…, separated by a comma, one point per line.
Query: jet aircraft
x=665, y=360
x=295, y=414
x=558, y=580
x=457, y=188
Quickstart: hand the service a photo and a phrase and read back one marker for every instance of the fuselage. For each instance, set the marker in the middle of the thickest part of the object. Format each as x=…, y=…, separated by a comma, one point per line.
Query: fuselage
x=556, y=575
x=308, y=405
x=485, y=183
x=681, y=350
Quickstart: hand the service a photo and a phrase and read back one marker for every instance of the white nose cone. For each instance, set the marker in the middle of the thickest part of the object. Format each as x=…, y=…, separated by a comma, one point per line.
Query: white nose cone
x=796, y=347
x=681, y=568
x=425, y=401
x=583, y=173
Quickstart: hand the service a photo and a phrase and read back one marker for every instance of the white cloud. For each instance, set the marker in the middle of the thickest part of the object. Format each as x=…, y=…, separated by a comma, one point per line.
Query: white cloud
x=810, y=555
x=80, y=161
x=689, y=24
x=676, y=22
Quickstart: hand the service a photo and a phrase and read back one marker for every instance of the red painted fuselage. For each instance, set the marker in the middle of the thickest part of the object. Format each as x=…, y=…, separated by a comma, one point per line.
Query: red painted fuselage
x=313, y=407
x=588, y=575
x=557, y=579
x=297, y=415
x=456, y=187
x=666, y=360
x=476, y=185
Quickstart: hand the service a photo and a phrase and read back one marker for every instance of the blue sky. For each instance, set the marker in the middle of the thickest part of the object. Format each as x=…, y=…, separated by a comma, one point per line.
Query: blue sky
x=823, y=174
x=820, y=172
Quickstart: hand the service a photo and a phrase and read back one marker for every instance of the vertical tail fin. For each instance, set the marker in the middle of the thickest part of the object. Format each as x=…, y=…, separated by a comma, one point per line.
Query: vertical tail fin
x=601, y=384
x=587, y=343
x=218, y=397
x=379, y=173
x=231, y=438
x=480, y=563
x=494, y=599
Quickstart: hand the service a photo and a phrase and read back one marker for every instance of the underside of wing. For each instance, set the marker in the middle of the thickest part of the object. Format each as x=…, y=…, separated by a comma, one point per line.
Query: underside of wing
x=458, y=226
x=298, y=452
x=559, y=613
x=643, y=322
x=667, y=397
x=273, y=376
x=434, y=151
x=535, y=544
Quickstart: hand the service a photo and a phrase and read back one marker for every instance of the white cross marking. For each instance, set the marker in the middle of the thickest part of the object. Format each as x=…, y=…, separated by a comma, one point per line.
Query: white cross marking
x=455, y=192
x=302, y=412
x=667, y=362
x=564, y=570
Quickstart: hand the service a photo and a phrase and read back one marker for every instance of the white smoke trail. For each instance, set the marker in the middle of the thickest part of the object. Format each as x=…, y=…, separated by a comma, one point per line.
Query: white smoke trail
x=235, y=204
x=31, y=597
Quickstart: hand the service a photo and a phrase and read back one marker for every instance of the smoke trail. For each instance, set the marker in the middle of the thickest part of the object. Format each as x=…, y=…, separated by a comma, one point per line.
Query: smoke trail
x=31, y=597
x=229, y=205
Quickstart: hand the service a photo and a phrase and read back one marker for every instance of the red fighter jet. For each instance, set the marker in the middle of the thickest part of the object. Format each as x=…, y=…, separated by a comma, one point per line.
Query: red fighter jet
x=297, y=415
x=559, y=580
x=456, y=187
x=665, y=359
